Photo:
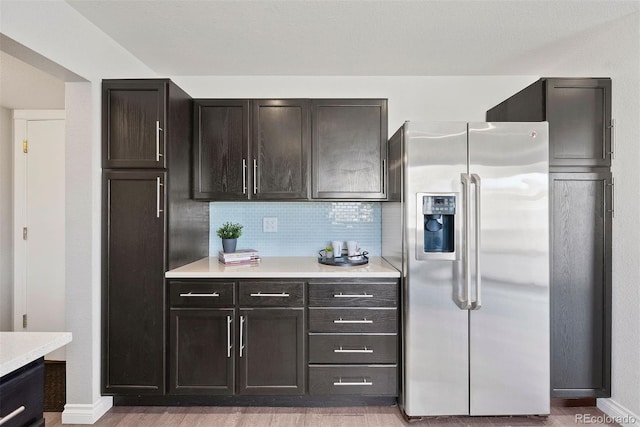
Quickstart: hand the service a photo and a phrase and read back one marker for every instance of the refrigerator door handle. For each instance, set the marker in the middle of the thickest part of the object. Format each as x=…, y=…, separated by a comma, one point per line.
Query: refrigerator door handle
x=465, y=304
x=477, y=303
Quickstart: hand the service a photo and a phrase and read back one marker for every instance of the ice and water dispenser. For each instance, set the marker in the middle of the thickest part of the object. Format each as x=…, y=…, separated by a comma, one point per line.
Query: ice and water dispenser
x=436, y=226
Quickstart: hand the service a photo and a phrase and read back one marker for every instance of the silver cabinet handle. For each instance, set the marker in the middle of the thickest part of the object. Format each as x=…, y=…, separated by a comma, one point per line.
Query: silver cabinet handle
x=465, y=179
x=612, y=126
x=158, y=130
x=241, y=335
x=13, y=414
x=281, y=295
x=193, y=294
x=341, y=295
x=356, y=350
x=244, y=176
x=158, y=185
x=229, y=336
x=363, y=382
x=613, y=193
x=255, y=176
x=365, y=320
x=384, y=173
x=478, y=184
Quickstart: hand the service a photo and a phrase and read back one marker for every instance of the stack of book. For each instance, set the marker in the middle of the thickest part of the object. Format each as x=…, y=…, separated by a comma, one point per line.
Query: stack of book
x=240, y=257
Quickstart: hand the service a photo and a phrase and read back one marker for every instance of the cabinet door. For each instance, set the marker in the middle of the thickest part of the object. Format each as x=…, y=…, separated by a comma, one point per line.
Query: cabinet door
x=201, y=344
x=580, y=284
x=271, y=351
x=133, y=278
x=280, y=149
x=133, y=123
x=221, y=149
x=579, y=116
x=349, y=148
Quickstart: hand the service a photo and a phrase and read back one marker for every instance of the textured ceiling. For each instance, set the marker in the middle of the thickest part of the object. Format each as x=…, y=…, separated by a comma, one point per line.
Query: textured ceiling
x=184, y=37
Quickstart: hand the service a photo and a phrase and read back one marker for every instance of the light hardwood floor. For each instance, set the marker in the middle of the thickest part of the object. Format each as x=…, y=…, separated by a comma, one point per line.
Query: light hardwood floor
x=373, y=416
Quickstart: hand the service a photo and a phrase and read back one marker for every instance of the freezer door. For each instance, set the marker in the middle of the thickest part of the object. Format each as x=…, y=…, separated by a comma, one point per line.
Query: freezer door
x=509, y=325
x=436, y=370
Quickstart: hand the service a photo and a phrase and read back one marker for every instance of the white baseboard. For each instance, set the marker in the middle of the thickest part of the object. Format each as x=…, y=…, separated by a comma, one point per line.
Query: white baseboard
x=86, y=413
x=619, y=413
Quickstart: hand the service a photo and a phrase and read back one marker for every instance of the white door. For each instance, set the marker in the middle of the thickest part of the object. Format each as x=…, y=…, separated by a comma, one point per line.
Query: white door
x=39, y=221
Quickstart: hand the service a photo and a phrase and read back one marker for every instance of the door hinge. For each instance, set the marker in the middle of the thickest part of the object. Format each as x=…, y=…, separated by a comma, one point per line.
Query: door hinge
x=24, y=233
x=25, y=146
x=24, y=321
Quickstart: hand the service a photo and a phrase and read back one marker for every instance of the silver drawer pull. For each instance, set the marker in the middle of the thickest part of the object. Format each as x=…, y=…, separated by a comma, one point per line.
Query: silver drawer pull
x=363, y=321
x=13, y=414
x=341, y=295
x=281, y=295
x=363, y=382
x=357, y=350
x=193, y=294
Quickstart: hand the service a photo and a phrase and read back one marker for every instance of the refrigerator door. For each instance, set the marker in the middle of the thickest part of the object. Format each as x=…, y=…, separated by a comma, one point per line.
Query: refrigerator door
x=509, y=325
x=436, y=376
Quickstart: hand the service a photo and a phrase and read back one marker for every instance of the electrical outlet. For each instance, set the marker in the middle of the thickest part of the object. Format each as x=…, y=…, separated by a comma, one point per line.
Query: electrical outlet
x=270, y=224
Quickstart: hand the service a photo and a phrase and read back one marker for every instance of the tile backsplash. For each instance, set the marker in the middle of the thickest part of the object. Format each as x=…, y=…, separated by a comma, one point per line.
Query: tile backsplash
x=303, y=227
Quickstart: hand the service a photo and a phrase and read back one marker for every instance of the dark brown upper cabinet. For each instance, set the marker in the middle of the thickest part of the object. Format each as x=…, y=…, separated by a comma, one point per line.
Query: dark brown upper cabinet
x=134, y=117
x=579, y=115
x=251, y=149
x=280, y=139
x=349, y=148
x=221, y=149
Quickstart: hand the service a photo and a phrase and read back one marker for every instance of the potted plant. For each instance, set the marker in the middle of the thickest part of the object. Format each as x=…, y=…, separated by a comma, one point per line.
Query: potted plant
x=229, y=233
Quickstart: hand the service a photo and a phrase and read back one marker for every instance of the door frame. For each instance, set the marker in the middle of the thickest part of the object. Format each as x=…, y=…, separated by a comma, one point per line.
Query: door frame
x=20, y=119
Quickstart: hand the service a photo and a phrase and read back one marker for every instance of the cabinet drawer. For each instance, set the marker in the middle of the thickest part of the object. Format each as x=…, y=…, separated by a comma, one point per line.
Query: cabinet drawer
x=200, y=294
x=356, y=380
x=353, y=348
x=271, y=294
x=353, y=320
x=23, y=388
x=353, y=295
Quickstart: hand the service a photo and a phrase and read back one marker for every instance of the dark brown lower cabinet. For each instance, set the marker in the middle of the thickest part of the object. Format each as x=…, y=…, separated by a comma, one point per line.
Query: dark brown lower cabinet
x=202, y=351
x=133, y=280
x=271, y=351
x=263, y=338
x=581, y=214
x=22, y=396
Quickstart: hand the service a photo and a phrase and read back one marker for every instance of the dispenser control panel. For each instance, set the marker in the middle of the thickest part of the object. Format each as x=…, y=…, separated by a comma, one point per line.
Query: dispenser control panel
x=439, y=205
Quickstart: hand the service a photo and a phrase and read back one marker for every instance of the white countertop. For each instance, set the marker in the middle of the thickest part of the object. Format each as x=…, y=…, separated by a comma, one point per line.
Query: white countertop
x=20, y=348
x=281, y=267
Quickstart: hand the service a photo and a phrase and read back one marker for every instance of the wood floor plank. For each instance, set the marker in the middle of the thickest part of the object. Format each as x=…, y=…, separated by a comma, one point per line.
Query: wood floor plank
x=336, y=417
x=385, y=416
x=201, y=416
x=361, y=416
x=150, y=416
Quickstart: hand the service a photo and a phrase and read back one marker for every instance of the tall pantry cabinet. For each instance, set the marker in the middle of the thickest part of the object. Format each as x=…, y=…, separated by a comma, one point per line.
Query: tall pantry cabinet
x=581, y=210
x=149, y=225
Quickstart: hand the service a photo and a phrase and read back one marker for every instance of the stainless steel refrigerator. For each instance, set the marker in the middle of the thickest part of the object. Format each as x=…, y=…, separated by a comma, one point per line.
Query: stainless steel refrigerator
x=467, y=225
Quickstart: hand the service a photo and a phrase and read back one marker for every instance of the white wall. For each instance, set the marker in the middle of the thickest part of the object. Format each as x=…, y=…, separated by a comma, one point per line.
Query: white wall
x=6, y=219
x=58, y=32
x=613, y=50
x=410, y=98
